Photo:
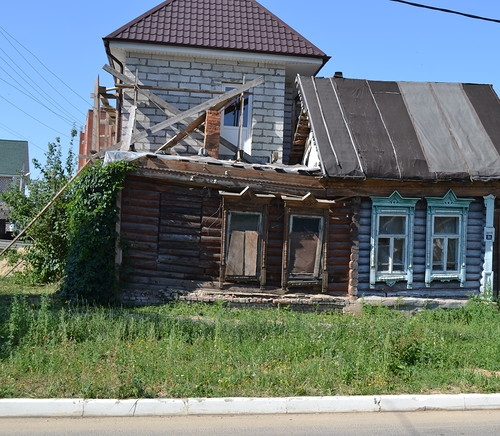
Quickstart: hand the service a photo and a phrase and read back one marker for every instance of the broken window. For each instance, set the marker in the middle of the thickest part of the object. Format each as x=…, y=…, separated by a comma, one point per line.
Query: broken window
x=305, y=249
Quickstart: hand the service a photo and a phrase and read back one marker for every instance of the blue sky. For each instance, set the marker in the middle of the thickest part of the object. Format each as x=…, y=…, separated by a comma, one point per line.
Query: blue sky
x=51, y=52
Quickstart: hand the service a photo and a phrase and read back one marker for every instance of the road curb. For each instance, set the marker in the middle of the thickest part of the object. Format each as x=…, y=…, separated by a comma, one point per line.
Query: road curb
x=79, y=407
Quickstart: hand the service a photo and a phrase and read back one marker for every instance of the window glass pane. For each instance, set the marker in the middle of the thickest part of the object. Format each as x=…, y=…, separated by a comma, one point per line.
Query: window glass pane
x=244, y=221
x=392, y=225
x=384, y=246
x=452, y=258
x=446, y=225
x=398, y=262
x=306, y=224
x=437, y=254
x=233, y=111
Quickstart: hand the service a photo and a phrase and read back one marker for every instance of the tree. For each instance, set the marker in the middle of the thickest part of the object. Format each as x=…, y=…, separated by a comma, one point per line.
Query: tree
x=45, y=257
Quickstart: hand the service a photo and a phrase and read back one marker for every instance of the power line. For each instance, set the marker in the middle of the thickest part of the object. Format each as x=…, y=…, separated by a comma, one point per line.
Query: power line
x=19, y=135
x=28, y=79
x=31, y=116
x=449, y=11
x=4, y=32
x=30, y=95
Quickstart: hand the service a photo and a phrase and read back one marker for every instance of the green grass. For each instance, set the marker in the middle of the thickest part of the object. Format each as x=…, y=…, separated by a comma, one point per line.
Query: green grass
x=49, y=349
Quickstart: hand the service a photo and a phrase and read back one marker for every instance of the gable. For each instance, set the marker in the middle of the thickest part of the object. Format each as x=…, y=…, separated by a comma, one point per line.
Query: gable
x=403, y=130
x=238, y=25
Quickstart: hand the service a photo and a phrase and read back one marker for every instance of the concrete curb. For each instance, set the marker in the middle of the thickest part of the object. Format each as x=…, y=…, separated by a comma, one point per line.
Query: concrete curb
x=79, y=407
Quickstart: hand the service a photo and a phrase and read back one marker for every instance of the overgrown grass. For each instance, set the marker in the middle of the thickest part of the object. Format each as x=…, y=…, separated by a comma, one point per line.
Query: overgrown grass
x=49, y=349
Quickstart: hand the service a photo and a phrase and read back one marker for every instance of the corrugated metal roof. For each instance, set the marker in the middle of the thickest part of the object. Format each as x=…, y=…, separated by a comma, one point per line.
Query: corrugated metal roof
x=14, y=157
x=242, y=25
x=404, y=130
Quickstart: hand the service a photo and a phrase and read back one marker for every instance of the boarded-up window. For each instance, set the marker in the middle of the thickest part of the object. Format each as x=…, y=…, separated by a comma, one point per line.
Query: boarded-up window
x=305, y=246
x=243, y=244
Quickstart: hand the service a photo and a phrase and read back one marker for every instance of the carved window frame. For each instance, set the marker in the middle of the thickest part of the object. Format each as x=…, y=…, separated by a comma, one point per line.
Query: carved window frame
x=393, y=206
x=452, y=207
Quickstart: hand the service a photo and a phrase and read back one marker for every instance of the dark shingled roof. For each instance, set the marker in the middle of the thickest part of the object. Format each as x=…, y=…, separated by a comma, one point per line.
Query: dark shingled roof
x=404, y=130
x=241, y=25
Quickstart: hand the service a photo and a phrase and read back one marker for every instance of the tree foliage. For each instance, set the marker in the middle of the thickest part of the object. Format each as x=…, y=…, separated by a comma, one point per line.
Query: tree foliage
x=46, y=255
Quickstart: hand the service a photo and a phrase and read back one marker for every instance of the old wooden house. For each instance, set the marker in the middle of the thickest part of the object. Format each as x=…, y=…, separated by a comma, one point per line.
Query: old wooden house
x=256, y=177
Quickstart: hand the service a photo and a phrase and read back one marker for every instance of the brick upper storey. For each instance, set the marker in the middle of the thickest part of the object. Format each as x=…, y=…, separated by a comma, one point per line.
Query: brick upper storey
x=239, y=25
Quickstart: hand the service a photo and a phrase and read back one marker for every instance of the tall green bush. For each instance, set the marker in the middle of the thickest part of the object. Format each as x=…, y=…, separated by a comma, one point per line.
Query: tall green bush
x=91, y=271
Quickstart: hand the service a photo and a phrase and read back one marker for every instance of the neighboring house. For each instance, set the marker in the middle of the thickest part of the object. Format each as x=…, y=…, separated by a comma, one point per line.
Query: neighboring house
x=256, y=177
x=14, y=164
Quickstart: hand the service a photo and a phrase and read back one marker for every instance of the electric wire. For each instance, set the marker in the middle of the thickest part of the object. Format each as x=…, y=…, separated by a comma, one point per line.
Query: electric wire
x=450, y=11
x=31, y=116
x=3, y=31
x=31, y=83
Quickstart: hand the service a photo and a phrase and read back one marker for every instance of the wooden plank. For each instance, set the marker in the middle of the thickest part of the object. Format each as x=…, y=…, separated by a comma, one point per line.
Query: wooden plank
x=236, y=254
x=127, y=140
x=211, y=103
x=172, y=110
x=251, y=253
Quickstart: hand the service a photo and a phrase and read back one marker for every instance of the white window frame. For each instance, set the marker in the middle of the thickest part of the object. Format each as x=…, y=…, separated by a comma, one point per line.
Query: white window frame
x=447, y=206
x=231, y=132
x=394, y=205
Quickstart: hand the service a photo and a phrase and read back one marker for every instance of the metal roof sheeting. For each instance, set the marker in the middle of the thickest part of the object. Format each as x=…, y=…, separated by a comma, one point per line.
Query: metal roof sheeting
x=404, y=130
x=241, y=25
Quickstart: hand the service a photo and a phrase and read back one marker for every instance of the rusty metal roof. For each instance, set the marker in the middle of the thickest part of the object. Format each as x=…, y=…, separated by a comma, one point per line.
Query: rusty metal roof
x=241, y=25
x=403, y=130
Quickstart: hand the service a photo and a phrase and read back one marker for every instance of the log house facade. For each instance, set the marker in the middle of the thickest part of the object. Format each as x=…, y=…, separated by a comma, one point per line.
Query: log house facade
x=340, y=191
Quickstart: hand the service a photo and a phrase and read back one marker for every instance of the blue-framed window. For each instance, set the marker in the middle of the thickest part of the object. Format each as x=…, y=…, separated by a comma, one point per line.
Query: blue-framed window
x=392, y=239
x=446, y=238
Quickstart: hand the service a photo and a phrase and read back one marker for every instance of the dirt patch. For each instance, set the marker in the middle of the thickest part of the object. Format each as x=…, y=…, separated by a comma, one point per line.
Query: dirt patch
x=7, y=268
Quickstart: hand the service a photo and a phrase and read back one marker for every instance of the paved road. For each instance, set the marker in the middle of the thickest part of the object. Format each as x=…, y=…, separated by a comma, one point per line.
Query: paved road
x=484, y=423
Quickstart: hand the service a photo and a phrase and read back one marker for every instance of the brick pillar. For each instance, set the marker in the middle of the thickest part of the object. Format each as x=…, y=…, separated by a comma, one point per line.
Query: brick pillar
x=212, y=133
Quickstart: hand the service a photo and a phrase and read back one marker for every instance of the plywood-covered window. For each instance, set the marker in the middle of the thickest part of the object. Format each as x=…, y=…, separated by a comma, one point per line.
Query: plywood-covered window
x=244, y=237
x=244, y=234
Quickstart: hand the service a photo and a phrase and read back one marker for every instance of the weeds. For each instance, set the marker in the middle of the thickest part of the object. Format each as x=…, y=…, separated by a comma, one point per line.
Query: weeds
x=49, y=349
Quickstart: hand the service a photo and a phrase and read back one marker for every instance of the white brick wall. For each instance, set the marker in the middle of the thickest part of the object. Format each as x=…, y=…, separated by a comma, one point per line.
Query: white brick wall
x=270, y=101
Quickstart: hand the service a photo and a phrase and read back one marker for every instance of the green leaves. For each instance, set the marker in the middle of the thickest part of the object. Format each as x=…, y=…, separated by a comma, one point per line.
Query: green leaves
x=46, y=256
x=91, y=272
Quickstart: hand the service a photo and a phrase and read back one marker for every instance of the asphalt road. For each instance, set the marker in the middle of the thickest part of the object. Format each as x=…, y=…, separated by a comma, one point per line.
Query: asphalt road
x=482, y=423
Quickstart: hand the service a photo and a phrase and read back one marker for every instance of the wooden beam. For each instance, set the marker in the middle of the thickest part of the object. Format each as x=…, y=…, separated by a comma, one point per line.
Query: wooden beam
x=96, y=118
x=130, y=129
x=213, y=103
x=169, y=108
